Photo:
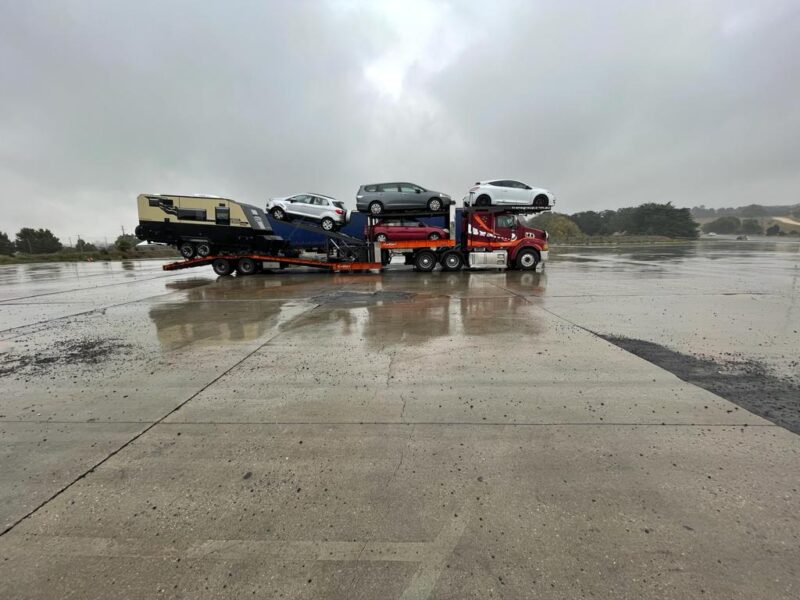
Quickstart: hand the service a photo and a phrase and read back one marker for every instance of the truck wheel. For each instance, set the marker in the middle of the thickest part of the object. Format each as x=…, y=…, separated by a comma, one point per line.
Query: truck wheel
x=328, y=224
x=434, y=205
x=452, y=261
x=278, y=214
x=375, y=208
x=222, y=266
x=425, y=261
x=386, y=257
x=203, y=249
x=187, y=250
x=527, y=260
x=246, y=266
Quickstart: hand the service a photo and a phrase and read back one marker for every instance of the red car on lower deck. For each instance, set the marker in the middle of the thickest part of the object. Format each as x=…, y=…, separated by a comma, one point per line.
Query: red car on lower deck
x=405, y=229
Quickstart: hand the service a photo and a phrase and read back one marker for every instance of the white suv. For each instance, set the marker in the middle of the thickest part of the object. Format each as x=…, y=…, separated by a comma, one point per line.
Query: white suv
x=507, y=192
x=329, y=212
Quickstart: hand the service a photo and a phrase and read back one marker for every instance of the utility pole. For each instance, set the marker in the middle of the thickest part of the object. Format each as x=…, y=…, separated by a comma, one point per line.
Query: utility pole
x=123, y=229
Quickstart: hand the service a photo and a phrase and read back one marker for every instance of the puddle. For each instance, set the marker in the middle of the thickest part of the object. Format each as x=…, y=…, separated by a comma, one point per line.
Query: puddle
x=359, y=299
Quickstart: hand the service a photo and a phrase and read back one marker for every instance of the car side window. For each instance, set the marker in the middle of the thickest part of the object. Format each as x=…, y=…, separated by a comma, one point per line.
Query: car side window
x=519, y=185
x=299, y=199
x=388, y=187
x=317, y=201
x=407, y=189
x=498, y=183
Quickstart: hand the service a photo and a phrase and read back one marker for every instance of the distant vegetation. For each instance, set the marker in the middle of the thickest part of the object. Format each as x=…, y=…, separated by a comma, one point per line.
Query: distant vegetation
x=750, y=219
x=648, y=222
x=35, y=245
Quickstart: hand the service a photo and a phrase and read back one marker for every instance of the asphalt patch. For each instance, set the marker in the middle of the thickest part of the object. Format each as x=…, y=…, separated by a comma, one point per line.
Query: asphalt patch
x=82, y=352
x=747, y=383
x=357, y=299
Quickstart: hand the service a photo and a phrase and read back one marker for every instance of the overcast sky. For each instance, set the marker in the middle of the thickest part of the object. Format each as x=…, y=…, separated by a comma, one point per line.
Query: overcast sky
x=607, y=104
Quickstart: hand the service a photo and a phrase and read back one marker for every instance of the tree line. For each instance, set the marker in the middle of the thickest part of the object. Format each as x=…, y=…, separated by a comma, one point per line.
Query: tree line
x=647, y=219
x=43, y=241
x=751, y=210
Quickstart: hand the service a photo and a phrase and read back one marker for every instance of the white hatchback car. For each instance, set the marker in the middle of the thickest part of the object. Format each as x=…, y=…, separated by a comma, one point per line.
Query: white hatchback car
x=507, y=192
x=328, y=212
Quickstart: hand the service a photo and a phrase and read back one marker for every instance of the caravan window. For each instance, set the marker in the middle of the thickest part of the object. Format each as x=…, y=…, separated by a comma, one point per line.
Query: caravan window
x=191, y=214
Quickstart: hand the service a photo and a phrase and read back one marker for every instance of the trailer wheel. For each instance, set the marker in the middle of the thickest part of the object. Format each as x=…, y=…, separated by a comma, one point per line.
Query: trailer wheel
x=452, y=261
x=434, y=205
x=222, y=266
x=527, y=260
x=425, y=261
x=203, y=249
x=187, y=250
x=246, y=266
x=375, y=208
x=386, y=257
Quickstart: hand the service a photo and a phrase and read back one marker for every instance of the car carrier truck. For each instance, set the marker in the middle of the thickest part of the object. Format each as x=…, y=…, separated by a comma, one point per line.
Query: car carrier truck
x=481, y=237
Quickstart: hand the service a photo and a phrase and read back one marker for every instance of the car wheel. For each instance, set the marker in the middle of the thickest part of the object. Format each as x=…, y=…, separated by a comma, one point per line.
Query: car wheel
x=386, y=257
x=203, y=249
x=381, y=237
x=434, y=205
x=425, y=261
x=246, y=266
x=222, y=266
x=541, y=200
x=483, y=201
x=452, y=261
x=278, y=213
x=187, y=250
x=434, y=236
x=375, y=208
x=527, y=260
x=328, y=224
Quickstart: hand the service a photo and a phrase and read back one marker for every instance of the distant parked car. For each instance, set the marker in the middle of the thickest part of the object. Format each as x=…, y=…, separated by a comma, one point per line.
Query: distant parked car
x=507, y=192
x=401, y=230
x=378, y=198
x=329, y=212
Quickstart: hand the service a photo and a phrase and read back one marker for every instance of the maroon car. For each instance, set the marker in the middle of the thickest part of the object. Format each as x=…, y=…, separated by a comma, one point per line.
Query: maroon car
x=401, y=230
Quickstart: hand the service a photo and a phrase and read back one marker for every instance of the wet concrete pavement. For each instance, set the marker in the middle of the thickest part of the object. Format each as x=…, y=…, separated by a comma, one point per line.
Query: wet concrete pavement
x=396, y=435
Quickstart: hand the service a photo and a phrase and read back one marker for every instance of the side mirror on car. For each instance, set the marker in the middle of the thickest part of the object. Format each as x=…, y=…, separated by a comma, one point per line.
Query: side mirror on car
x=418, y=191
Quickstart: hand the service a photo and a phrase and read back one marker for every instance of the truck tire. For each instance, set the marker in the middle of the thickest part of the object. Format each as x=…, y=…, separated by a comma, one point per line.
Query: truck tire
x=203, y=249
x=222, y=266
x=187, y=250
x=527, y=259
x=245, y=266
x=452, y=261
x=425, y=261
x=386, y=257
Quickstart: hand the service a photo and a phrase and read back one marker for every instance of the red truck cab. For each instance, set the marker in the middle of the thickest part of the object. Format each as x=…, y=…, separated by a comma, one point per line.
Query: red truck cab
x=488, y=230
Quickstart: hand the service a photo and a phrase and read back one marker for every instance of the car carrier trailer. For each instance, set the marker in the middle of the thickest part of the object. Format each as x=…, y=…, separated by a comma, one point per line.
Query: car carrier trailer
x=481, y=237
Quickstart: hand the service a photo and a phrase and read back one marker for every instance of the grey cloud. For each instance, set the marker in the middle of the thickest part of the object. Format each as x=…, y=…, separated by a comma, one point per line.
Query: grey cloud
x=607, y=104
